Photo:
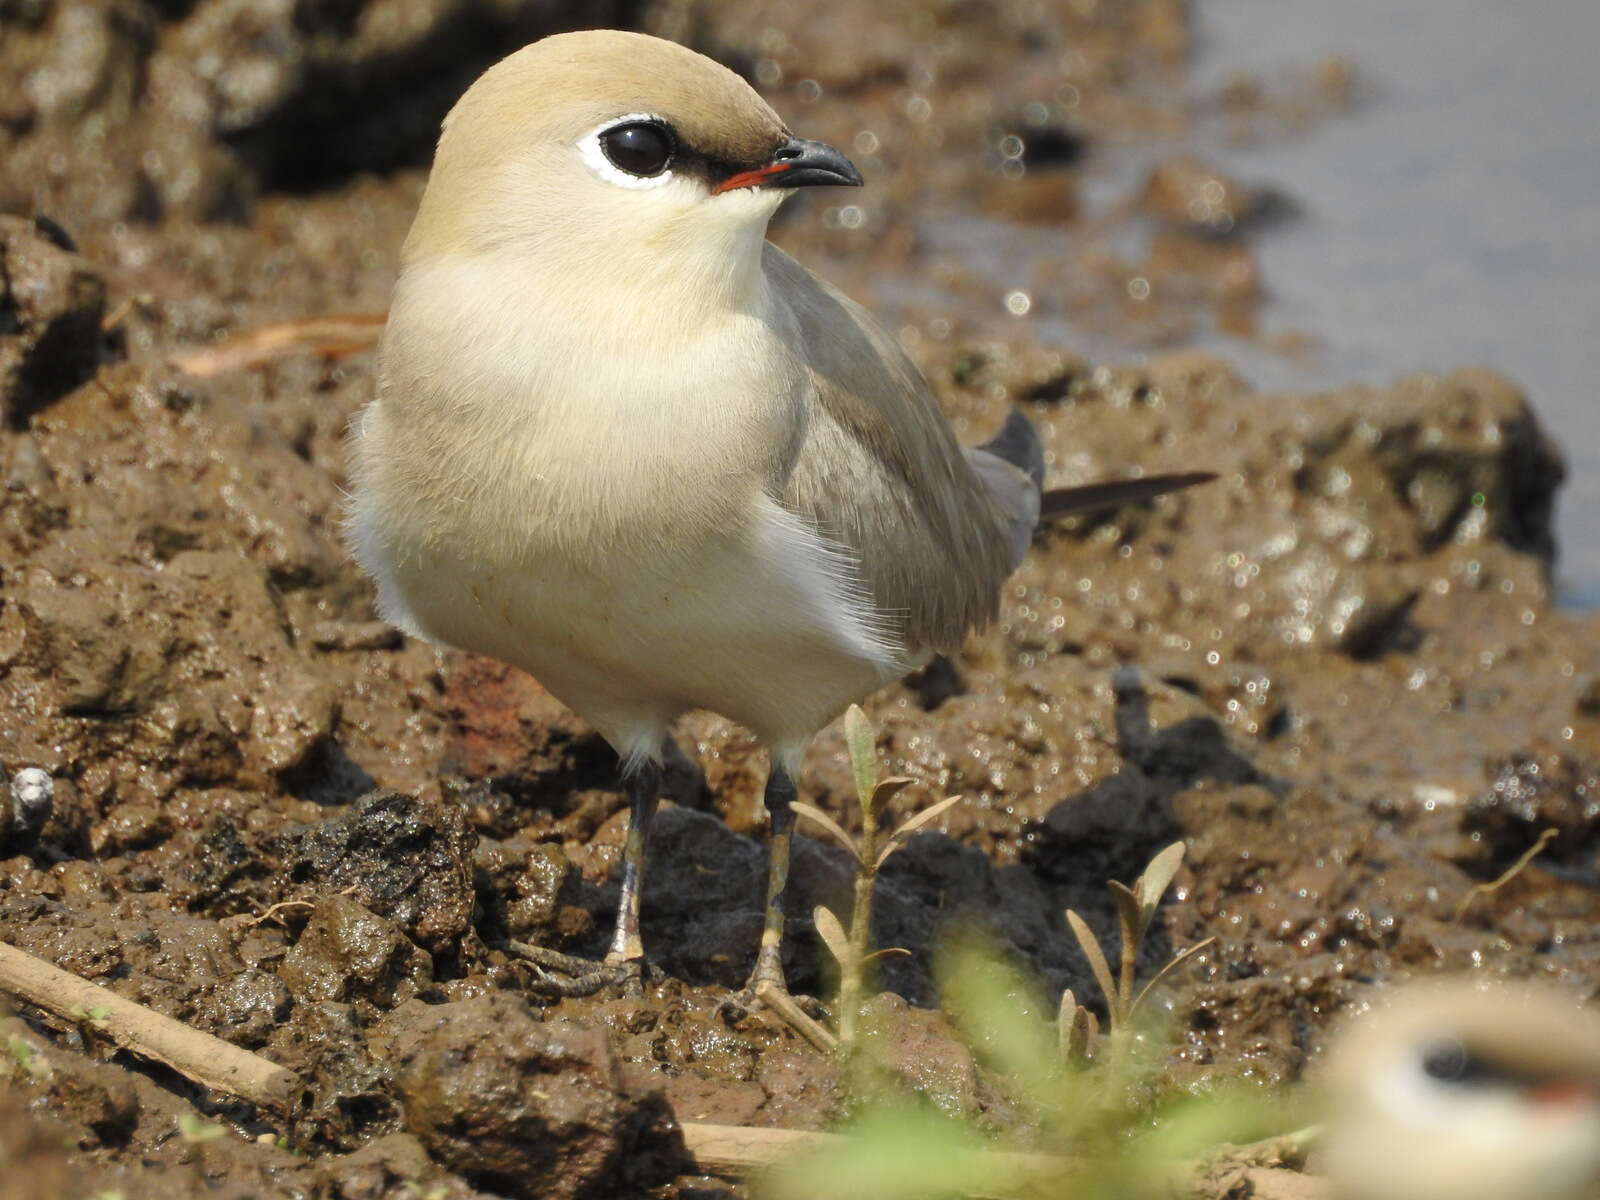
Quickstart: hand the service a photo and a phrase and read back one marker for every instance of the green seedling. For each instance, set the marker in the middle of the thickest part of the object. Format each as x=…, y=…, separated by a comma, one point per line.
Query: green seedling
x=849, y=950
x=196, y=1131
x=97, y=1017
x=1095, y=1122
x=1136, y=909
x=29, y=1058
x=1068, y=1140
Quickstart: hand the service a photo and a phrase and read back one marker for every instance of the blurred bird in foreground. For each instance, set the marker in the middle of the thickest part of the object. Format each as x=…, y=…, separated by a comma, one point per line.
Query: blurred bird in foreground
x=1465, y=1091
x=624, y=443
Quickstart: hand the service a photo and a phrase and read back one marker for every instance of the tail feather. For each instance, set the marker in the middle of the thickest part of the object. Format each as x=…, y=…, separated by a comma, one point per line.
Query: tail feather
x=1063, y=502
x=1011, y=465
x=1018, y=444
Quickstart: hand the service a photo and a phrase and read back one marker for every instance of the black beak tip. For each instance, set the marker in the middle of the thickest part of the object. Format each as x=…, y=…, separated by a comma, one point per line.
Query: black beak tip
x=813, y=164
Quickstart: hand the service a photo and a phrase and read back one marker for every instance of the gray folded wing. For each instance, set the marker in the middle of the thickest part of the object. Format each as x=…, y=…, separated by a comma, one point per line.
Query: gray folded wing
x=935, y=528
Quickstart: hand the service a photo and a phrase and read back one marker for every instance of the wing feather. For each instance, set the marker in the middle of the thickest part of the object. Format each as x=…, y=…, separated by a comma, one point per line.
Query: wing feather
x=877, y=469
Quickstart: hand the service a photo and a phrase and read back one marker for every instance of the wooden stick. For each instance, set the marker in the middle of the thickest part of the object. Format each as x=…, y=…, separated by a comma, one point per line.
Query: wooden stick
x=199, y=1056
x=733, y=1151
x=739, y=1150
x=331, y=336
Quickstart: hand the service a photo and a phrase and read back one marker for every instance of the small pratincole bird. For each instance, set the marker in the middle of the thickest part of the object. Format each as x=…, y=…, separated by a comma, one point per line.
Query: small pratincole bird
x=624, y=443
x=1464, y=1090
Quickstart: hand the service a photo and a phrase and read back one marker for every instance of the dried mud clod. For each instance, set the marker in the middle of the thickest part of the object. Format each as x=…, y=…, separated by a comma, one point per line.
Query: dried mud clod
x=525, y=1106
x=51, y=302
x=406, y=859
x=346, y=954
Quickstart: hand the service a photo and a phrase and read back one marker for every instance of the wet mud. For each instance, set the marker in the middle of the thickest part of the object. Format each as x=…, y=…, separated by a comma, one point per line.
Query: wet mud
x=1336, y=673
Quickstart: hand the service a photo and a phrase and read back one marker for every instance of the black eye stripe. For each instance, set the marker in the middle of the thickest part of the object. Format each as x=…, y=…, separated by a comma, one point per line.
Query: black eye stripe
x=1454, y=1063
x=641, y=148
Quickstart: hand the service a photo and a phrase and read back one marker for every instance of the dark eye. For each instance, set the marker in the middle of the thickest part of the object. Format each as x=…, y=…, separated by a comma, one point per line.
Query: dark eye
x=642, y=148
x=1448, y=1061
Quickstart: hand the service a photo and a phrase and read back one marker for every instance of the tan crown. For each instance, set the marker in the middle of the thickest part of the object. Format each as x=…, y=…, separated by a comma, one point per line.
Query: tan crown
x=519, y=122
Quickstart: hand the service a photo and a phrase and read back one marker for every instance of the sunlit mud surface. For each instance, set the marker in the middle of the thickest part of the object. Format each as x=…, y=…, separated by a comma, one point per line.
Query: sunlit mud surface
x=1336, y=672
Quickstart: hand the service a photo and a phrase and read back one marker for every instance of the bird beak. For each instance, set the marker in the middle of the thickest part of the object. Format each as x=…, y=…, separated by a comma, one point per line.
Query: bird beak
x=798, y=163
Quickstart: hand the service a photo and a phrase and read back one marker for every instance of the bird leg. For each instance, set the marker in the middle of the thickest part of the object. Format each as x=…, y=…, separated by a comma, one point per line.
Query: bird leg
x=644, y=793
x=624, y=964
x=779, y=797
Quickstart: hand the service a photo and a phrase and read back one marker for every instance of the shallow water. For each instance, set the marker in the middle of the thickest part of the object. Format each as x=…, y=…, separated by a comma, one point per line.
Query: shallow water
x=1452, y=217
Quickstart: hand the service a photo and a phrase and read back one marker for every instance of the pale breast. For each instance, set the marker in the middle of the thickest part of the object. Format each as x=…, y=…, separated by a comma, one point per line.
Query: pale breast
x=613, y=535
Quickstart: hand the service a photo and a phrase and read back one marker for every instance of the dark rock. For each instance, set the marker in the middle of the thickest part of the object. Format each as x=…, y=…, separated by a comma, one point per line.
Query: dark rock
x=348, y=953
x=51, y=303
x=1107, y=831
x=520, y=1105
x=348, y=1098
x=403, y=858
x=703, y=895
x=218, y=869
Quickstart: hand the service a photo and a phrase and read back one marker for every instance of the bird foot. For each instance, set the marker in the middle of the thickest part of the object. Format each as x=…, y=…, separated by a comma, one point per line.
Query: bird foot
x=558, y=974
x=767, y=988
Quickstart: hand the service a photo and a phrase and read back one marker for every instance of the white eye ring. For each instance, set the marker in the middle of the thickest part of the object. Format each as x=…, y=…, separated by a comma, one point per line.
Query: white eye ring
x=594, y=156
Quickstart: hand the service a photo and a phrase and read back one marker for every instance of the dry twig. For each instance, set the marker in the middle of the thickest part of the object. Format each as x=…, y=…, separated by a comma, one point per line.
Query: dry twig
x=780, y=1002
x=331, y=337
x=1506, y=876
x=738, y=1151
x=199, y=1056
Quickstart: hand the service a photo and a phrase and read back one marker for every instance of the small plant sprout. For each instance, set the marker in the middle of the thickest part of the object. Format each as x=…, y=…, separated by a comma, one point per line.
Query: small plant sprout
x=29, y=1059
x=97, y=1017
x=850, y=950
x=197, y=1131
x=1136, y=909
x=1099, y=1127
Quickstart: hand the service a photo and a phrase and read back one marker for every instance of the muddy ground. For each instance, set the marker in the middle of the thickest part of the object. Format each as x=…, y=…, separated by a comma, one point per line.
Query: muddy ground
x=1336, y=673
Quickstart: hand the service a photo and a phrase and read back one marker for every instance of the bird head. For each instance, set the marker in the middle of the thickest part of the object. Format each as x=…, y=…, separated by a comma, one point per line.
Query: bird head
x=1465, y=1089
x=615, y=158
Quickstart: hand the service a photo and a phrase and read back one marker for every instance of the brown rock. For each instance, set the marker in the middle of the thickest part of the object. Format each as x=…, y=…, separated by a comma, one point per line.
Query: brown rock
x=531, y=891
x=51, y=303
x=1191, y=194
x=348, y=953
x=246, y=1006
x=385, y=1167
x=130, y=827
x=928, y=1056
x=524, y=1106
x=40, y=1159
